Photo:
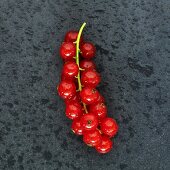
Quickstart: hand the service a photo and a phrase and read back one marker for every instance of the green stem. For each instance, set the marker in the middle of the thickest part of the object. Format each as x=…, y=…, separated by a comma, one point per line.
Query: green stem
x=85, y=108
x=78, y=61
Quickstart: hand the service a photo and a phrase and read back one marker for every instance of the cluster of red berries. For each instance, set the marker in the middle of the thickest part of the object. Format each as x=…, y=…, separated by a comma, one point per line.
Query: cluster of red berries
x=84, y=104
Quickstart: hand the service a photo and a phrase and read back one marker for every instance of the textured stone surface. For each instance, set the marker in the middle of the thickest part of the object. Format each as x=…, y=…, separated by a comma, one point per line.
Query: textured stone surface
x=133, y=56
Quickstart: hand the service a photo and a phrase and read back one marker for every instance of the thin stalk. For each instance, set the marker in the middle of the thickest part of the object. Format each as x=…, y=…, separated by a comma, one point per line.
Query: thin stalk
x=78, y=61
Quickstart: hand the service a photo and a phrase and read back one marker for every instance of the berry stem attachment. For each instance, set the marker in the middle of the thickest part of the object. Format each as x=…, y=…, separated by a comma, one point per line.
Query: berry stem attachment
x=78, y=61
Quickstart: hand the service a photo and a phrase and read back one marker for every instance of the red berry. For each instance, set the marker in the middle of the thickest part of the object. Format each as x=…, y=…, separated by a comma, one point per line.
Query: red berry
x=99, y=109
x=89, y=121
x=76, y=99
x=88, y=50
x=73, y=110
x=66, y=89
x=89, y=95
x=70, y=69
x=105, y=146
x=92, y=138
x=109, y=127
x=63, y=77
x=87, y=64
x=71, y=36
x=67, y=50
x=90, y=78
x=100, y=99
x=77, y=127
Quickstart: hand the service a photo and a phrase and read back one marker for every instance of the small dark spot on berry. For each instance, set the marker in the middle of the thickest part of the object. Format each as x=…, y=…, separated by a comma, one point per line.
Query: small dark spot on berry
x=89, y=122
x=93, y=90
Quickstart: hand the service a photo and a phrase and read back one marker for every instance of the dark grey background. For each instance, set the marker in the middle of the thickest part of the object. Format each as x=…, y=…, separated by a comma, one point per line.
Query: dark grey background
x=133, y=56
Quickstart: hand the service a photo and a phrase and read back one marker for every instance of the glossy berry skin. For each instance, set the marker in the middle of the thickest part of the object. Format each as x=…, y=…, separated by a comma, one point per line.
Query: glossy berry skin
x=70, y=69
x=105, y=146
x=90, y=78
x=75, y=99
x=89, y=122
x=66, y=89
x=92, y=138
x=77, y=127
x=100, y=99
x=89, y=95
x=73, y=110
x=99, y=109
x=109, y=127
x=87, y=64
x=67, y=51
x=88, y=50
x=71, y=36
x=63, y=77
x=73, y=79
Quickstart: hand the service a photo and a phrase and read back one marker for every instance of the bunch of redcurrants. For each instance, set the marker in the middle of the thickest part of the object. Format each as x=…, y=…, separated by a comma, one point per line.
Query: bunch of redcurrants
x=84, y=104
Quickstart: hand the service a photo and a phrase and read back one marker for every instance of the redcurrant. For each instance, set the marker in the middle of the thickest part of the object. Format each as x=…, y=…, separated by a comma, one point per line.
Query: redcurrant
x=100, y=99
x=89, y=95
x=73, y=110
x=90, y=78
x=92, y=138
x=63, y=77
x=76, y=99
x=70, y=69
x=89, y=121
x=109, y=127
x=88, y=50
x=66, y=89
x=85, y=106
x=87, y=64
x=71, y=36
x=99, y=109
x=77, y=127
x=67, y=50
x=105, y=146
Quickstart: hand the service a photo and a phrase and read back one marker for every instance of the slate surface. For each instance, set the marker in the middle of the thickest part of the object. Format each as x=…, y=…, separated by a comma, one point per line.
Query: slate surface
x=133, y=56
